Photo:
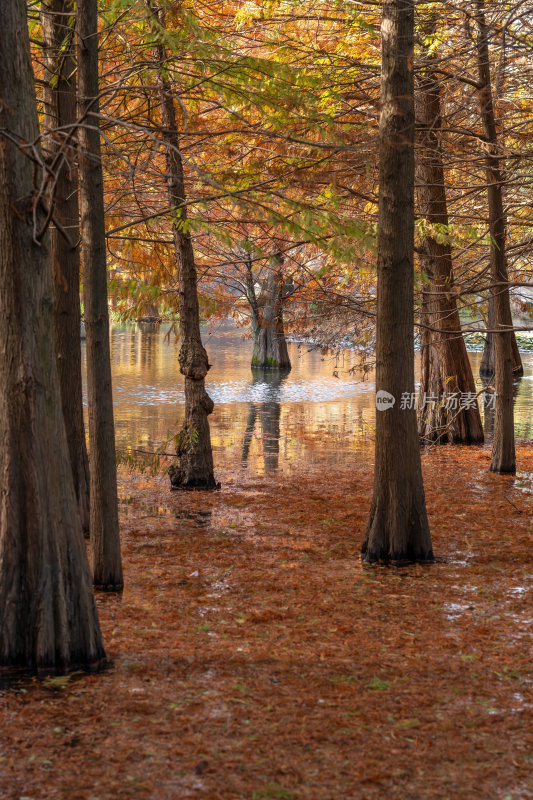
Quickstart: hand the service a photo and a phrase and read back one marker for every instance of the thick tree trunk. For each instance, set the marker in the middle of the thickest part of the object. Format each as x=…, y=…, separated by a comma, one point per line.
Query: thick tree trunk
x=194, y=469
x=397, y=528
x=503, y=449
x=48, y=616
x=60, y=112
x=270, y=346
x=446, y=372
x=105, y=540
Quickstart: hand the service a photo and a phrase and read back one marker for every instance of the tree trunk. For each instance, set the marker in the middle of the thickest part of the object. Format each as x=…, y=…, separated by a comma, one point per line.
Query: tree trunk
x=194, y=469
x=60, y=112
x=503, y=449
x=105, y=539
x=446, y=372
x=486, y=368
x=48, y=616
x=397, y=528
x=497, y=219
x=270, y=346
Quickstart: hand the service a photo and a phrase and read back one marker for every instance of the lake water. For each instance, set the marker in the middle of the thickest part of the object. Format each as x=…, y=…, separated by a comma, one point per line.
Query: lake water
x=322, y=411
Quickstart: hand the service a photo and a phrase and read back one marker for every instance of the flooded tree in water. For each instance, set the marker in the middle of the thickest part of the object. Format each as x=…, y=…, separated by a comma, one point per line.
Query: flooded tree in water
x=445, y=366
x=397, y=528
x=266, y=307
x=194, y=469
x=48, y=616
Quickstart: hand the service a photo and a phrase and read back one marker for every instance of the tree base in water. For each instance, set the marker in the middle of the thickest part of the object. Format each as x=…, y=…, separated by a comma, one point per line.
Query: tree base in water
x=180, y=481
x=271, y=364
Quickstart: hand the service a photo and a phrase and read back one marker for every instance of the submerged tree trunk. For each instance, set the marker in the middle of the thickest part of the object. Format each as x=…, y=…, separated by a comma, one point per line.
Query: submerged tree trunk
x=48, y=616
x=105, y=540
x=194, y=469
x=397, y=528
x=446, y=374
x=503, y=449
x=60, y=113
x=270, y=346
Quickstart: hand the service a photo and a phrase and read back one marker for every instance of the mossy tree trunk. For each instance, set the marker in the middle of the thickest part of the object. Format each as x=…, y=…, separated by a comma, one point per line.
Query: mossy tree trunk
x=60, y=150
x=397, y=528
x=48, y=616
x=445, y=366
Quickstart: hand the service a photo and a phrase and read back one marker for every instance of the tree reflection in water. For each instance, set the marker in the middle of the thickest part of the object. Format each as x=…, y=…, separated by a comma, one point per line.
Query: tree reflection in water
x=268, y=382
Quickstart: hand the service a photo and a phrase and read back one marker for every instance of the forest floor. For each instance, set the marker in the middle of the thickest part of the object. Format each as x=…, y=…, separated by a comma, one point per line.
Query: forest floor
x=255, y=657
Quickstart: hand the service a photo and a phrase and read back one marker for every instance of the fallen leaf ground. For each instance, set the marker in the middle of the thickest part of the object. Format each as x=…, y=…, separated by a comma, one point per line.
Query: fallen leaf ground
x=254, y=656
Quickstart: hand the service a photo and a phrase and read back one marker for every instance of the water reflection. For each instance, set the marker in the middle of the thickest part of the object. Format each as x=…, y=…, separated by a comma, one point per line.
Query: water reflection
x=269, y=413
x=488, y=407
x=488, y=399
x=322, y=411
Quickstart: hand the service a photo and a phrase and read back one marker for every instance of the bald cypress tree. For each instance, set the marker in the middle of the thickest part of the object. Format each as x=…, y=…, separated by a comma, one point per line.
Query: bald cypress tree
x=105, y=538
x=48, y=617
x=397, y=528
x=59, y=119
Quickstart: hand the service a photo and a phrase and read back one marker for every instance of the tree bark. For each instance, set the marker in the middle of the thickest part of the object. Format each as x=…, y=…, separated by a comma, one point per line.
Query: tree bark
x=445, y=366
x=270, y=346
x=48, y=616
x=486, y=368
x=497, y=218
x=194, y=469
x=60, y=150
x=397, y=529
x=503, y=449
x=105, y=540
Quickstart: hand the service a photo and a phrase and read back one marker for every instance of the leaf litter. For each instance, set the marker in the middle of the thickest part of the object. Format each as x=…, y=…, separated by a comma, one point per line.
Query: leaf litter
x=255, y=656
